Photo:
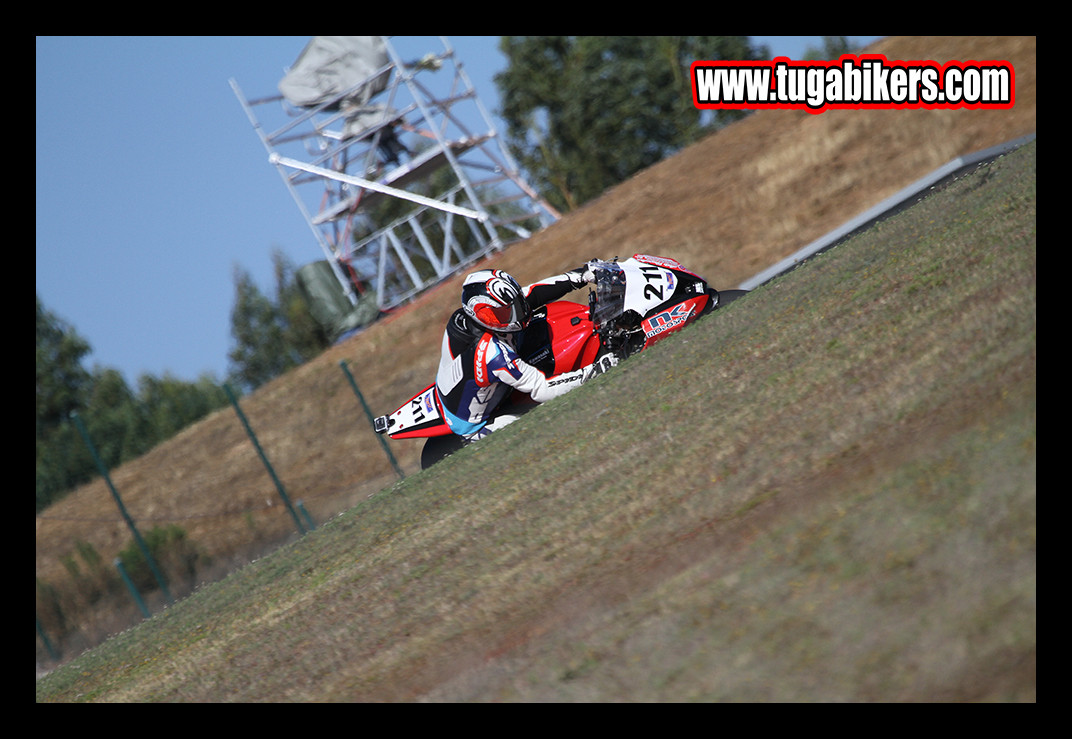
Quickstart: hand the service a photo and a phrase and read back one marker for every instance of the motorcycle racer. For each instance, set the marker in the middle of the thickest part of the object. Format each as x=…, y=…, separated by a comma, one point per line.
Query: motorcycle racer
x=479, y=363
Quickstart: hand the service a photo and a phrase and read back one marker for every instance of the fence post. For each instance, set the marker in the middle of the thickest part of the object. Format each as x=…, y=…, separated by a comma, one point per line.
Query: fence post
x=305, y=515
x=368, y=414
x=48, y=644
x=264, y=459
x=131, y=587
x=122, y=508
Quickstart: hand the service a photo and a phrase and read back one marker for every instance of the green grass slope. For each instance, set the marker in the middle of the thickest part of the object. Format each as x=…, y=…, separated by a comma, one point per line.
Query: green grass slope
x=824, y=492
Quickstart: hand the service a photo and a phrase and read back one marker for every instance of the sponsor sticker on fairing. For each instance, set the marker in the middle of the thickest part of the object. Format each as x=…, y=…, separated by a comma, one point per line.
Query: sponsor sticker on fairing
x=480, y=364
x=852, y=81
x=668, y=320
x=658, y=261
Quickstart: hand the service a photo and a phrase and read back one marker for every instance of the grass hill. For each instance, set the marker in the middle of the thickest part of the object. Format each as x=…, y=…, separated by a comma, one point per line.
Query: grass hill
x=825, y=492
x=805, y=404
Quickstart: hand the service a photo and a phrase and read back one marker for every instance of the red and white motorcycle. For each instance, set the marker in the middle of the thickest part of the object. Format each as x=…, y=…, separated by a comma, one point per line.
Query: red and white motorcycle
x=635, y=303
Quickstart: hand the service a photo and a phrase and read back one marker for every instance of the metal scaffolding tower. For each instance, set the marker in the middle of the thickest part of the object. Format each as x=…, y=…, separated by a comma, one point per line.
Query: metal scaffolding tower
x=394, y=163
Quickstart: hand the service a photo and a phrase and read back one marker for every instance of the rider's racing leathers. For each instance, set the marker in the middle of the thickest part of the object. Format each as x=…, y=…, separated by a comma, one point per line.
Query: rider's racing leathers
x=479, y=368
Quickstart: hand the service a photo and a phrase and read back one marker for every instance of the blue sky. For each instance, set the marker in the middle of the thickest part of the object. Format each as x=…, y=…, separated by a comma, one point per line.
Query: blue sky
x=152, y=187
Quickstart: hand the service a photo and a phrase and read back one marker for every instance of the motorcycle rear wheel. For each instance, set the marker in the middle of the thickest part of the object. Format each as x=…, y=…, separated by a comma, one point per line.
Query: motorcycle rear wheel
x=438, y=447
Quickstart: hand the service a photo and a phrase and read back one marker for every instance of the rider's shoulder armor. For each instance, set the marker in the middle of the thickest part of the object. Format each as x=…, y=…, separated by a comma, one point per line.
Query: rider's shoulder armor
x=462, y=329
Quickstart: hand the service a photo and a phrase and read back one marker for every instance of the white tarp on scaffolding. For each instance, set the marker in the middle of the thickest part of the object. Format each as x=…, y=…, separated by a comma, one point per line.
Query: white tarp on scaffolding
x=389, y=126
x=330, y=65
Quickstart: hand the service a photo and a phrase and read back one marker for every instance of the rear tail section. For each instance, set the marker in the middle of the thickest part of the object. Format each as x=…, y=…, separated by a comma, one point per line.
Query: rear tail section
x=418, y=417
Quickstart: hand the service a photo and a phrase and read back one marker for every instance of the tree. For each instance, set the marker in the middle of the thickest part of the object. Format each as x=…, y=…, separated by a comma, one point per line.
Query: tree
x=833, y=47
x=121, y=424
x=271, y=335
x=61, y=380
x=170, y=405
x=62, y=388
x=584, y=113
x=258, y=354
x=301, y=331
x=114, y=420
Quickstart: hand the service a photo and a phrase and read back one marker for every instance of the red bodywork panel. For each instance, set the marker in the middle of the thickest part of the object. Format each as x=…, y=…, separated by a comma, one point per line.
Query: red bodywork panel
x=573, y=339
x=672, y=319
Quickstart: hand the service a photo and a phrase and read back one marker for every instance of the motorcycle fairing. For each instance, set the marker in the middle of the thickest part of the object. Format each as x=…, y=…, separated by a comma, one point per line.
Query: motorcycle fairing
x=648, y=286
x=666, y=262
x=573, y=338
x=674, y=318
x=421, y=416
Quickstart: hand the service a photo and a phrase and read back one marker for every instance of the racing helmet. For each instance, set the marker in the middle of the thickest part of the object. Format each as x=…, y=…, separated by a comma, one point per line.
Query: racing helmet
x=495, y=301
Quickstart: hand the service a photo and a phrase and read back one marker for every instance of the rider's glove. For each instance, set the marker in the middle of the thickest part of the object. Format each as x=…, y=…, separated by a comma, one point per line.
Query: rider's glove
x=582, y=275
x=601, y=365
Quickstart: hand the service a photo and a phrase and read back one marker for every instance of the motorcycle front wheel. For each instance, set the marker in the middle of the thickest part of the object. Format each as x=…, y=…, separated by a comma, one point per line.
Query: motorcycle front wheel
x=725, y=297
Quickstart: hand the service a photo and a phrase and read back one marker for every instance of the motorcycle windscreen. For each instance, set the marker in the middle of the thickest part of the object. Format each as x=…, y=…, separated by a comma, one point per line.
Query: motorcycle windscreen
x=609, y=294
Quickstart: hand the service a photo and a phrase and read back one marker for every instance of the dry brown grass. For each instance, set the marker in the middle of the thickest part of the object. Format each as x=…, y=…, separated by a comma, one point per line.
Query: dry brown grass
x=729, y=206
x=824, y=492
